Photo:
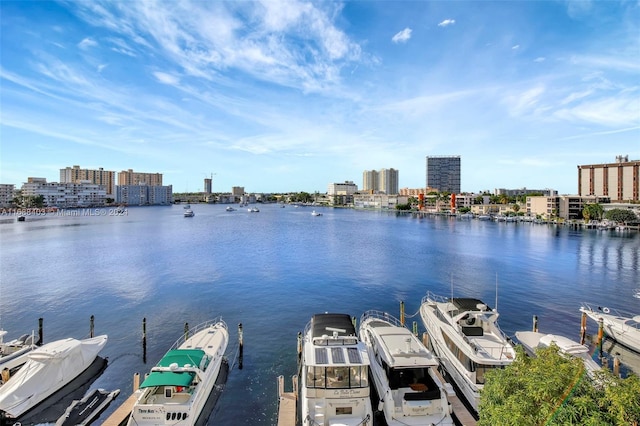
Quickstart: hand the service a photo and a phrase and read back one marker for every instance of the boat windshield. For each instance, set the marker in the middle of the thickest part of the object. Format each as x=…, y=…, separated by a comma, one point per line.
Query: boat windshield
x=344, y=377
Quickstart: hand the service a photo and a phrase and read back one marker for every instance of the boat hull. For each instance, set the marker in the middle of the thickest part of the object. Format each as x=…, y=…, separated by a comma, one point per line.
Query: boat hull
x=48, y=369
x=421, y=403
x=621, y=328
x=179, y=388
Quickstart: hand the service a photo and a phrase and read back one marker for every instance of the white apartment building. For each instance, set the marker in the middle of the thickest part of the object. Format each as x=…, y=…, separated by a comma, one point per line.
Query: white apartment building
x=343, y=188
x=69, y=195
x=143, y=195
x=7, y=193
x=378, y=201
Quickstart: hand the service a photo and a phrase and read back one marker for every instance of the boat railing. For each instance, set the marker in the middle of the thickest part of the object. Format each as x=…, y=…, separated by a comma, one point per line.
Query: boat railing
x=434, y=298
x=381, y=315
x=191, y=331
x=596, y=309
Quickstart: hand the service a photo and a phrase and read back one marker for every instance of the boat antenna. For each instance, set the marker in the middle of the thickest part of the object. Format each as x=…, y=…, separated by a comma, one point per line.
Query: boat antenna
x=496, y=291
x=452, y=286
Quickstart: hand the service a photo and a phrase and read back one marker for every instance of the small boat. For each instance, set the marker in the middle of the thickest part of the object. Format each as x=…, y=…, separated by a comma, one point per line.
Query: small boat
x=404, y=373
x=186, y=206
x=253, y=210
x=315, y=213
x=230, y=209
x=334, y=374
x=532, y=340
x=624, y=328
x=465, y=336
x=177, y=388
x=13, y=354
x=84, y=411
x=189, y=213
x=48, y=368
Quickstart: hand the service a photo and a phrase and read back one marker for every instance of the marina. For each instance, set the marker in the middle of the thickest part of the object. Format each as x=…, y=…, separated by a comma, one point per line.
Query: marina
x=272, y=271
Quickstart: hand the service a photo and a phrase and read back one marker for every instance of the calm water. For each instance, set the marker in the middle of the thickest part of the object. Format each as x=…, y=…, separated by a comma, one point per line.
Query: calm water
x=272, y=270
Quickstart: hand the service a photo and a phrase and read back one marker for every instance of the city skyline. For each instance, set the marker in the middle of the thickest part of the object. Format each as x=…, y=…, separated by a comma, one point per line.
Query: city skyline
x=290, y=96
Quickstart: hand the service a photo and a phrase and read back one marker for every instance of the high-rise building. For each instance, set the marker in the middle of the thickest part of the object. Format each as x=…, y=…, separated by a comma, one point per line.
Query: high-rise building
x=207, y=185
x=443, y=173
x=370, y=181
x=380, y=181
x=388, y=181
x=620, y=181
x=102, y=177
x=129, y=177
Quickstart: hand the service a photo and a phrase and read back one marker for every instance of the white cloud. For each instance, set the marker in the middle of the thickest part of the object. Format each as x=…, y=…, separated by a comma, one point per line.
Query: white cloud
x=447, y=22
x=539, y=59
x=402, y=36
x=87, y=43
x=516, y=47
x=165, y=78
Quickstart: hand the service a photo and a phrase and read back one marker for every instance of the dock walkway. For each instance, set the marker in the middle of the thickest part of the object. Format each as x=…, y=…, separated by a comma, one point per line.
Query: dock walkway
x=461, y=414
x=287, y=403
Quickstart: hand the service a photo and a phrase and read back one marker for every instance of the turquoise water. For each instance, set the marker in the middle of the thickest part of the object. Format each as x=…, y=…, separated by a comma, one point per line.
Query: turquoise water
x=272, y=270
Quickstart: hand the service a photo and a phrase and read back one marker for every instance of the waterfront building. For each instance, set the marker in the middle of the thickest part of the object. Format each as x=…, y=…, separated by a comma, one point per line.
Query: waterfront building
x=129, y=177
x=7, y=194
x=237, y=191
x=207, y=185
x=65, y=194
x=75, y=174
x=341, y=194
x=567, y=207
x=143, y=195
x=388, y=181
x=443, y=173
x=370, y=181
x=415, y=192
x=524, y=191
x=619, y=180
x=379, y=201
x=381, y=181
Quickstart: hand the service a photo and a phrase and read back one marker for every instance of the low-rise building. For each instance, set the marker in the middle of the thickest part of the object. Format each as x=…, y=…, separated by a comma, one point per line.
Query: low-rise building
x=69, y=195
x=567, y=207
x=379, y=201
x=7, y=194
x=143, y=195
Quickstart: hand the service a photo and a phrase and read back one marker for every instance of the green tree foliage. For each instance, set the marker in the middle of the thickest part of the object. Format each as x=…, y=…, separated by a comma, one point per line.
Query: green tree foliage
x=621, y=215
x=552, y=389
x=592, y=211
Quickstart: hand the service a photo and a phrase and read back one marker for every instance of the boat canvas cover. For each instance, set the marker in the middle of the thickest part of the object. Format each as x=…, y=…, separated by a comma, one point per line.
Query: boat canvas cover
x=181, y=358
x=48, y=368
x=333, y=321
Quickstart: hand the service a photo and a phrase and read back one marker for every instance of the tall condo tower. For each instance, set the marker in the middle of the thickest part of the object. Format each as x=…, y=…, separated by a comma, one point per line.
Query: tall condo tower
x=443, y=173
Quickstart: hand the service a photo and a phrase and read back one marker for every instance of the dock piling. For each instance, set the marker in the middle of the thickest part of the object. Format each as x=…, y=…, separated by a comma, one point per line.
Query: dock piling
x=241, y=346
x=402, y=313
x=91, y=325
x=186, y=330
x=583, y=328
x=144, y=340
x=535, y=323
x=600, y=334
x=40, y=332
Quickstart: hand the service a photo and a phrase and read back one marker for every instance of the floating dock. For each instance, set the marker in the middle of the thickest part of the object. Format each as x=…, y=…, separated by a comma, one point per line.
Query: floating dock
x=287, y=403
x=121, y=415
x=462, y=416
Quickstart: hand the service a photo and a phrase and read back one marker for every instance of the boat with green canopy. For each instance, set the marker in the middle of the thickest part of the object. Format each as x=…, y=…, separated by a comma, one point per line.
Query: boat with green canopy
x=178, y=386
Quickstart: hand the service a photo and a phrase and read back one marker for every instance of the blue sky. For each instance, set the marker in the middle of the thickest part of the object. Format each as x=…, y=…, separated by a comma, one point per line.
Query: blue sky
x=291, y=96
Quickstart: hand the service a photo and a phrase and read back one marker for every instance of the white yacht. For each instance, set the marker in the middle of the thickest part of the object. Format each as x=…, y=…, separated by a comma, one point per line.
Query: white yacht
x=334, y=374
x=532, y=340
x=13, y=353
x=48, y=368
x=404, y=373
x=624, y=328
x=177, y=388
x=189, y=213
x=465, y=336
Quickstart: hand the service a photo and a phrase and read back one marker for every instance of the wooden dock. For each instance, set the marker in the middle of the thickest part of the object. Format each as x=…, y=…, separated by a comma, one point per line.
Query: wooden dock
x=462, y=415
x=287, y=403
x=121, y=415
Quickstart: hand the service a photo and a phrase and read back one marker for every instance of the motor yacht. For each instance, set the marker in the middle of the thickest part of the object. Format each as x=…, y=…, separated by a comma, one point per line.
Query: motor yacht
x=465, y=336
x=404, y=373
